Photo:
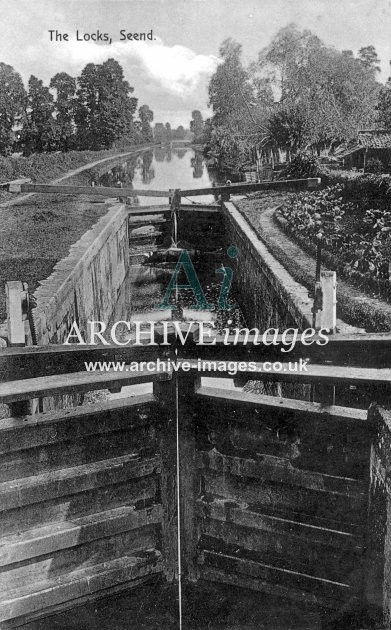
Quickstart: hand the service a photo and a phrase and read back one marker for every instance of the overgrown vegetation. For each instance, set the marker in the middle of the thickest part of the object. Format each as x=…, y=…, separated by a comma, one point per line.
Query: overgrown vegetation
x=354, y=223
x=298, y=96
x=302, y=166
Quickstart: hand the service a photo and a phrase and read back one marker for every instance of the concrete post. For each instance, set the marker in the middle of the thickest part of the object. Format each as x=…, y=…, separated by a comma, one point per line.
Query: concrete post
x=15, y=294
x=328, y=281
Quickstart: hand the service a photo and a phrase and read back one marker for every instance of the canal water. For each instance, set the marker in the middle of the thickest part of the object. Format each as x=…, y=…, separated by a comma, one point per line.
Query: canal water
x=160, y=168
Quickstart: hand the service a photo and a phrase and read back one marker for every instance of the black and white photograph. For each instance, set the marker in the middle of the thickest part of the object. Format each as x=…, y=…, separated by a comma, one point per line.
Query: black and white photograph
x=195, y=315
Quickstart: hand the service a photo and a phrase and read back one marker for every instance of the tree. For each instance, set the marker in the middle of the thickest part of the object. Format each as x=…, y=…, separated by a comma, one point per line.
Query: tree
x=168, y=132
x=65, y=87
x=335, y=93
x=12, y=104
x=229, y=88
x=197, y=126
x=180, y=133
x=235, y=125
x=104, y=108
x=384, y=105
x=369, y=59
x=146, y=117
x=39, y=128
x=159, y=133
x=287, y=128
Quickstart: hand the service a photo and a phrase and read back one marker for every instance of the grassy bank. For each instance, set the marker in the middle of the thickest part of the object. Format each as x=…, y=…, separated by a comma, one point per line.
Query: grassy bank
x=37, y=231
x=48, y=166
x=44, y=167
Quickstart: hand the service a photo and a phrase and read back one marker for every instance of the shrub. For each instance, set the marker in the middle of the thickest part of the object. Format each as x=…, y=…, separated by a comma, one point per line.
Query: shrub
x=303, y=165
x=374, y=165
x=359, y=238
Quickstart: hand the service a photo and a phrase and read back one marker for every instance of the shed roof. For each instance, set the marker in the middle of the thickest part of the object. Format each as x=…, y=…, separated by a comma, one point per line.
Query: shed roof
x=366, y=139
x=374, y=138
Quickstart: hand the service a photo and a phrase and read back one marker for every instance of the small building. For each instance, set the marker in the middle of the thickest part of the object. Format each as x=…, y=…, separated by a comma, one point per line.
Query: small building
x=369, y=144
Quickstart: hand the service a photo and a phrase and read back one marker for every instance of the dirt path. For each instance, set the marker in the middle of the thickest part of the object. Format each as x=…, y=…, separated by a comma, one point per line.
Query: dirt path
x=353, y=306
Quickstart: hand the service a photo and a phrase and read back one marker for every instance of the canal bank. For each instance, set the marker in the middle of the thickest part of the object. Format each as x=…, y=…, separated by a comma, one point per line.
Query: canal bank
x=37, y=231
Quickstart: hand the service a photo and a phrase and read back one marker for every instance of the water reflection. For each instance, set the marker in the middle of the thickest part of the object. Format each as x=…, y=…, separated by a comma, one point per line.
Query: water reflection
x=197, y=164
x=148, y=172
x=161, y=168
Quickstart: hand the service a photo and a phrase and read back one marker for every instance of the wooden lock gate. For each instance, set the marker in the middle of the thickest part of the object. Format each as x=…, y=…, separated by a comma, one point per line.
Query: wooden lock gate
x=275, y=494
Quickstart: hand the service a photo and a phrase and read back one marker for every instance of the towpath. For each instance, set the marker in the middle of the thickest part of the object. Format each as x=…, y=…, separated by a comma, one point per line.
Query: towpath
x=353, y=306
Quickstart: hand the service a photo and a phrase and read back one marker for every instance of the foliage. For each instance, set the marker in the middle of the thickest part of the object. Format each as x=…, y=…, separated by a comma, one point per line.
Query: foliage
x=104, y=108
x=234, y=126
x=229, y=150
x=302, y=165
x=335, y=92
x=39, y=127
x=146, y=117
x=164, y=134
x=12, y=103
x=168, y=132
x=197, y=126
x=359, y=238
x=374, y=165
x=287, y=127
x=299, y=95
x=91, y=112
x=369, y=59
x=384, y=105
x=65, y=87
x=229, y=88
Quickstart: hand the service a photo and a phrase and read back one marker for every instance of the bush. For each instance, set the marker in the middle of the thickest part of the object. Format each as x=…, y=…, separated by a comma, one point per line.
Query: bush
x=374, y=165
x=358, y=238
x=303, y=165
x=337, y=176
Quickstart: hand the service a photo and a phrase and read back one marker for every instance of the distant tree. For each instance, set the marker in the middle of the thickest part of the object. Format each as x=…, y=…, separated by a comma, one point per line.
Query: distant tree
x=160, y=133
x=168, y=132
x=180, y=133
x=39, y=128
x=65, y=87
x=146, y=117
x=369, y=59
x=12, y=104
x=197, y=126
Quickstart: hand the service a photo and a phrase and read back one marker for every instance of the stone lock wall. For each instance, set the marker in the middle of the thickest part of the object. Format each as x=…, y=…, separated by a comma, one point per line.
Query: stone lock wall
x=268, y=294
x=85, y=285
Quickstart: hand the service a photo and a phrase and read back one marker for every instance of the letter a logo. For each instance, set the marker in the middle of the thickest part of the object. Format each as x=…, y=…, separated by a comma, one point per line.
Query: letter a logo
x=184, y=262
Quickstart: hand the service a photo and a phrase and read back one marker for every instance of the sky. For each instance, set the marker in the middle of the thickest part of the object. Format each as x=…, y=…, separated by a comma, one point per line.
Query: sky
x=170, y=73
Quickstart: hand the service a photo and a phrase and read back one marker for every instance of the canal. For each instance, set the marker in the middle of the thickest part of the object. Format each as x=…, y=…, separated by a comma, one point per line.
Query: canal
x=160, y=168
